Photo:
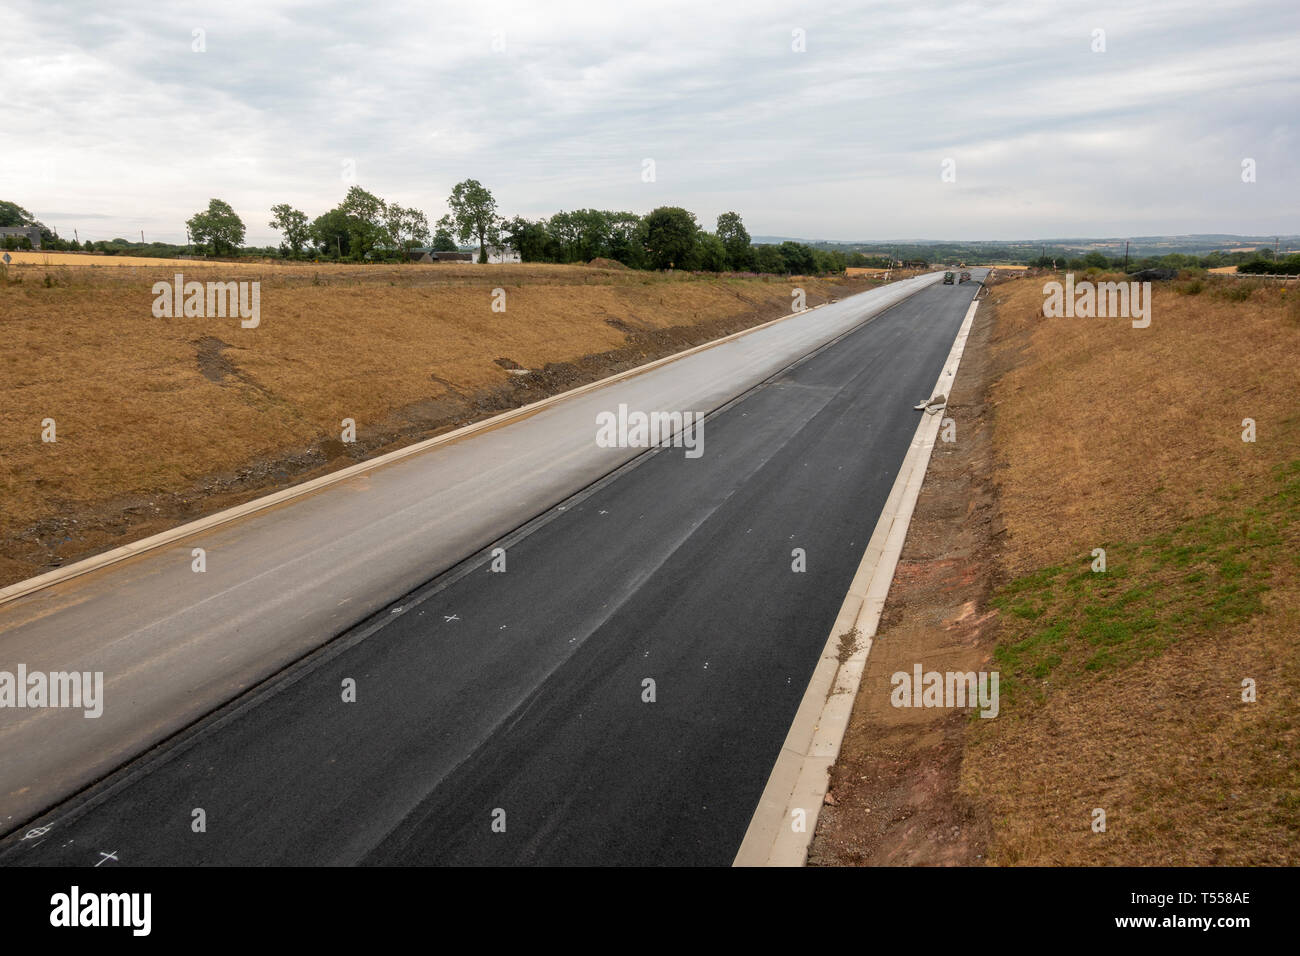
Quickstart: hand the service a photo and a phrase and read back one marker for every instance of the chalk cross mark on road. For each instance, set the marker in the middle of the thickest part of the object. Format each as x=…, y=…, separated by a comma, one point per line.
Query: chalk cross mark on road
x=106, y=857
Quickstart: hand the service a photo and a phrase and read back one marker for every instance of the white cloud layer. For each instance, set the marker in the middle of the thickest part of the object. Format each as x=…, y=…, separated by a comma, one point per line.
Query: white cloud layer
x=112, y=124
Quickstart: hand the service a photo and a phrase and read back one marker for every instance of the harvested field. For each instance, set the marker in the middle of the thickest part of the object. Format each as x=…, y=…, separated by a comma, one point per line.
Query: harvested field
x=87, y=260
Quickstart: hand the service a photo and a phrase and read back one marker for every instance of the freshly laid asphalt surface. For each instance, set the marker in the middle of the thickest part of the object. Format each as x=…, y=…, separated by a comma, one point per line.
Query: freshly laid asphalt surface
x=174, y=645
x=500, y=716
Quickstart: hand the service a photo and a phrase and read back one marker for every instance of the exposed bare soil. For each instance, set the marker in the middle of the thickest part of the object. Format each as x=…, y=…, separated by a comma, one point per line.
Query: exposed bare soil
x=895, y=786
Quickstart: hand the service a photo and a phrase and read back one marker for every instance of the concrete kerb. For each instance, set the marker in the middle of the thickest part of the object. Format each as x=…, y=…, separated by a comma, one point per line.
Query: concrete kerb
x=786, y=817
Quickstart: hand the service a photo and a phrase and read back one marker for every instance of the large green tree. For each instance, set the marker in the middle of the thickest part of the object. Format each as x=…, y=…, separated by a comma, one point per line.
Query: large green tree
x=12, y=214
x=671, y=238
x=293, y=223
x=769, y=259
x=735, y=238
x=367, y=228
x=218, y=228
x=407, y=227
x=473, y=215
x=713, y=253
x=443, y=241
x=529, y=237
x=565, y=231
x=799, y=259
x=627, y=239
x=593, y=228
x=330, y=232
x=829, y=261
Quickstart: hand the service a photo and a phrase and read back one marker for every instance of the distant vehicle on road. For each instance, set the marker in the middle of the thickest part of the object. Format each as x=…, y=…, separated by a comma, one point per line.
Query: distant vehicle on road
x=965, y=277
x=947, y=278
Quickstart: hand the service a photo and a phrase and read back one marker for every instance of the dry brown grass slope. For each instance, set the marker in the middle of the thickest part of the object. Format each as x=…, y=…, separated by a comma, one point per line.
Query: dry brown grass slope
x=161, y=420
x=1123, y=690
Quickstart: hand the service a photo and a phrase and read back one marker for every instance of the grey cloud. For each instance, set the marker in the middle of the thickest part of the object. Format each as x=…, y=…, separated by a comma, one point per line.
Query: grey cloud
x=114, y=112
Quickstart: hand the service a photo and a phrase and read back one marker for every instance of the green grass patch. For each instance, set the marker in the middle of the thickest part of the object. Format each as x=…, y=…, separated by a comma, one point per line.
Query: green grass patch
x=1067, y=623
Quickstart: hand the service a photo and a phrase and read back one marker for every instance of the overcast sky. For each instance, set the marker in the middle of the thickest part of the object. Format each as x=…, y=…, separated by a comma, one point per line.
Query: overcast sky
x=111, y=122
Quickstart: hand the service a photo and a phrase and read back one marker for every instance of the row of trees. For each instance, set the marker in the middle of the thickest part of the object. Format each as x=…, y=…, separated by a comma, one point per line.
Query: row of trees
x=1260, y=260
x=358, y=227
x=365, y=226
x=1272, y=265
x=362, y=226
x=669, y=237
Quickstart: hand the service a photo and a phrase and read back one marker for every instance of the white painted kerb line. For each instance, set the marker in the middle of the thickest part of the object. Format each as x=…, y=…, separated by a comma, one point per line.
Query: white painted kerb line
x=800, y=777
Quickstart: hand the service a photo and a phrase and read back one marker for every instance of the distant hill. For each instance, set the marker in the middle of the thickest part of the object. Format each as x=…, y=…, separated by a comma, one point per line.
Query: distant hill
x=1200, y=242
x=1062, y=248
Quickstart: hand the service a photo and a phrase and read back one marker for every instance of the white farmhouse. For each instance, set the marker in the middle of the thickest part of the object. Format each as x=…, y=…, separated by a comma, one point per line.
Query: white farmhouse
x=496, y=255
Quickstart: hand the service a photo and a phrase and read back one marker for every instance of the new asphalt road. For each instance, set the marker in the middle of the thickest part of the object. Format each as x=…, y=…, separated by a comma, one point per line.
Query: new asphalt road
x=174, y=644
x=609, y=683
